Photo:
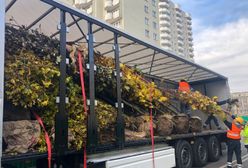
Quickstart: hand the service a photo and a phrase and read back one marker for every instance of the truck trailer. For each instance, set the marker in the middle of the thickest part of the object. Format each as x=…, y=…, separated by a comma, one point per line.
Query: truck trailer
x=68, y=25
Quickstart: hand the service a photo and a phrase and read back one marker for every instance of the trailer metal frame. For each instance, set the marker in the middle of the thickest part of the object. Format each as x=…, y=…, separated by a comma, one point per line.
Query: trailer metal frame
x=44, y=14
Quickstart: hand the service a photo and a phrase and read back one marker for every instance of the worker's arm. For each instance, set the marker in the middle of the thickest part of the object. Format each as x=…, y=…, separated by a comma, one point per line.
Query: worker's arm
x=223, y=102
x=228, y=124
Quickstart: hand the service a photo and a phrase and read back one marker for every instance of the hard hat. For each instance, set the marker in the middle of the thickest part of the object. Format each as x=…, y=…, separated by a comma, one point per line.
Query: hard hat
x=240, y=120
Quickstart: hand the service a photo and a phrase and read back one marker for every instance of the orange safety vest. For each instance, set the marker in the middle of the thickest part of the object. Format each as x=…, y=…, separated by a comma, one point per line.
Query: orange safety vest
x=234, y=132
x=184, y=86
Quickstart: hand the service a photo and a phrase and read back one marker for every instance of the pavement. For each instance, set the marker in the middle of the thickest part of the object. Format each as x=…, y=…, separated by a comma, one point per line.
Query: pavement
x=222, y=162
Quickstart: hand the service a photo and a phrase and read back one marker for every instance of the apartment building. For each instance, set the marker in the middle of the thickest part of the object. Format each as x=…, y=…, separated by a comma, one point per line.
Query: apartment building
x=139, y=19
x=160, y=22
x=175, y=29
x=243, y=102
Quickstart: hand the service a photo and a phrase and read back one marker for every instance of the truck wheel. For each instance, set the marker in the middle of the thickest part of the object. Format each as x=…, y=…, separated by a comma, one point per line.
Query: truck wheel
x=200, y=152
x=183, y=154
x=213, y=149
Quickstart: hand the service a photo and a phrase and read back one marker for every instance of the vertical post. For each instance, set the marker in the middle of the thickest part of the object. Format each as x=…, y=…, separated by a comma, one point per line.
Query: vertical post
x=2, y=40
x=152, y=62
x=92, y=121
x=61, y=121
x=120, y=135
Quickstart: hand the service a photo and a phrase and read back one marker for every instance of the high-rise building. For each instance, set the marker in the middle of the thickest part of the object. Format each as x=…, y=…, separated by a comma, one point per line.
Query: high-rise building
x=175, y=29
x=243, y=102
x=160, y=22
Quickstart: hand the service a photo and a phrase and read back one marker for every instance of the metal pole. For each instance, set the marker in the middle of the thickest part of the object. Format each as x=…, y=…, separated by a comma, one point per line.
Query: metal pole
x=2, y=40
x=120, y=120
x=152, y=62
x=92, y=121
x=61, y=121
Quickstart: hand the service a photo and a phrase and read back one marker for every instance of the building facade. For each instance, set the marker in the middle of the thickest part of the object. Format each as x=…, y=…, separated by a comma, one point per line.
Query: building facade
x=243, y=102
x=175, y=29
x=160, y=22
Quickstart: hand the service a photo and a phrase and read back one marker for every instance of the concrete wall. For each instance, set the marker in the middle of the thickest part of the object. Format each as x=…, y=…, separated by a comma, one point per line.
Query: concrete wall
x=134, y=19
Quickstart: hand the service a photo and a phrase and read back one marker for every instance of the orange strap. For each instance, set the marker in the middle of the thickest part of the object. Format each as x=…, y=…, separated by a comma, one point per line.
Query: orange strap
x=48, y=142
x=80, y=63
x=151, y=130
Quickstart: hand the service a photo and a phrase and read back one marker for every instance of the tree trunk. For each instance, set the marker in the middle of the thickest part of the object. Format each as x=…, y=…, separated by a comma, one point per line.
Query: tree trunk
x=195, y=124
x=164, y=125
x=181, y=123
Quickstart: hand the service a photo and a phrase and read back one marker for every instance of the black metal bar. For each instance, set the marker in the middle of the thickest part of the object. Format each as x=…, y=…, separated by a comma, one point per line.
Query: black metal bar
x=201, y=77
x=112, y=29
x=69, y=25
x=184, y=74
x=61, y=119
x=120, y=134
x=152, y=61
x=144, y=63
x=81, y=38
x=92, y=121
x=79, y=28
x=40, y=17
x=176, y=71
x=192, y=73
x=10, y=5
x=134, y=52
x=139, y=58
x=124, y=46
x=168, y=63
x=104, y=42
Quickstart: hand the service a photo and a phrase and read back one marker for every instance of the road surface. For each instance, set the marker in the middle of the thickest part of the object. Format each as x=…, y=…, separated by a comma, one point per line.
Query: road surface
x=222, y=162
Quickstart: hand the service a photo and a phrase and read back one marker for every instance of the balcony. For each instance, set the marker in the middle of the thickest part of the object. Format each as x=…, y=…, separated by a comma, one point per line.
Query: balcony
x=180, y=43
x=164, y=17
x=178, y=13
x=189, y=22
x=83, y=4
x=109, y=16
x=179, y=37
x=165, y=36
x=177, y=7
x=163, y=5
x=179, y=25
x=164, y=23
x=179, y=19
x=190, y=39
x=187, y=15
x=190, y=43
x=111, y=5
x=166, y=43
x=165, y=29
x=166, y=47
x=180, y=49
x=179, y=31
x=191, y=49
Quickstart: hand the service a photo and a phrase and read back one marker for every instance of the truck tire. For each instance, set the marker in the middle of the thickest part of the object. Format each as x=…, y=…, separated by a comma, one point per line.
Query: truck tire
x=213, y=149
x=200, y=152
x=184, y=157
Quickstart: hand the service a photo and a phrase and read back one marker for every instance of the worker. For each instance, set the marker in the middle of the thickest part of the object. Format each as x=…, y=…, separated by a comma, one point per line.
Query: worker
x=244, y=134
x=233, y=143
x=209, y=119
x=183, y=86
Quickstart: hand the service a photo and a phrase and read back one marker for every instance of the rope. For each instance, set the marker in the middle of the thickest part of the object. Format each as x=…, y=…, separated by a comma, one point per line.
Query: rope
x=48, y=142
x=151, y=129
x=80, y=63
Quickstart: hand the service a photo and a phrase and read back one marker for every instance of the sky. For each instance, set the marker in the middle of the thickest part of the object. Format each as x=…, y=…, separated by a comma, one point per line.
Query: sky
x=220, y=33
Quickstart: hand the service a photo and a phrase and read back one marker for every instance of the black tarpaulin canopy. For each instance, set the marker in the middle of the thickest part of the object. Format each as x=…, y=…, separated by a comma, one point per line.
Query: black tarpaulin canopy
x=43, y=15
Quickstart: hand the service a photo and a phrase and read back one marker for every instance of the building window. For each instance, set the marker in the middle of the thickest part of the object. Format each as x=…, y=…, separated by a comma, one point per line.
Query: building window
x=154, y=2
x=154, y=25
x=147, y=33
x=146, y=21
x=117, y=24
x=146, y=9
x=116, y=14
x=154, y=14
x=155, y=36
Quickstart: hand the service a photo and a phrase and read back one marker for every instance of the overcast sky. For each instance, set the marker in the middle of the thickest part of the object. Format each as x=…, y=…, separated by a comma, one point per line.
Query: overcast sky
x=220, y=32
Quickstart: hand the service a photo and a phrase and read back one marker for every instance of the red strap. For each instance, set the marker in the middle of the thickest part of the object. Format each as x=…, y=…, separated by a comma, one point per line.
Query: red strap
x=80, y=63
x=48, y=142
x=151, y=129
